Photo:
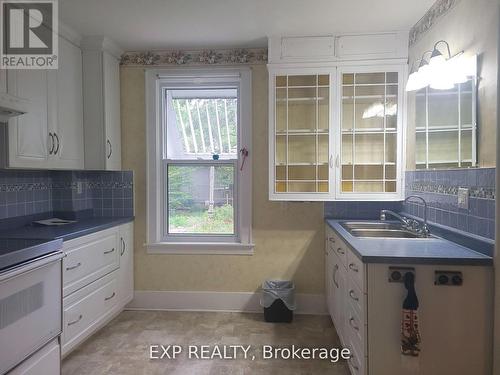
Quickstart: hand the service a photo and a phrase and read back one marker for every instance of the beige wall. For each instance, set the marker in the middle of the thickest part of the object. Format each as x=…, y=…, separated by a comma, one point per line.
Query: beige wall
x=472, y=26
x=288, y=236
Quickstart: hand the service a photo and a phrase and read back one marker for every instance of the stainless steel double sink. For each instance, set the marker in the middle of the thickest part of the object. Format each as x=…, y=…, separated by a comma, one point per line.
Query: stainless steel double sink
x=379, y=229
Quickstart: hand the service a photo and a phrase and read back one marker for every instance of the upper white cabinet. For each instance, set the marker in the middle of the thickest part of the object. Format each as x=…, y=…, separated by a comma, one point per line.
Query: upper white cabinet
x=26, y=142
x=67, y=128
x=370, y=134
x=50, y=134
x=301, y=136
x=336, y=125
x=335, y=48
x=101, y=66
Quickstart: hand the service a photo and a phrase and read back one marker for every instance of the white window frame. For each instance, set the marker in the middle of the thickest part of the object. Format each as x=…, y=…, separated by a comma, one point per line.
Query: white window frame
x=157, y=81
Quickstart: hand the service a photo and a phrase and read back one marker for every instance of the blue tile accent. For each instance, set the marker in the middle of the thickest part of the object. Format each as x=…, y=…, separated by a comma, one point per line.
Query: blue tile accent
x=440, y=188
x=34, y=192
x=358, y=210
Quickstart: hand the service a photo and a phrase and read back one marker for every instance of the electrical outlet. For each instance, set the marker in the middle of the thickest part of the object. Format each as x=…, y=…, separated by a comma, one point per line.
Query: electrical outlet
x=451, y=278
x=463, y=198
x=79, y=187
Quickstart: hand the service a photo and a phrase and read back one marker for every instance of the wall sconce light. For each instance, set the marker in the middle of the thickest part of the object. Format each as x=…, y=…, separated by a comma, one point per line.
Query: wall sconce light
x=419, y=77
x=441, y=72
x=437, y=59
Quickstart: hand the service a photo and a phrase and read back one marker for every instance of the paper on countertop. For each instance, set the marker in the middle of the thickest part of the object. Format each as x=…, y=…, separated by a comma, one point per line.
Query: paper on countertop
x=54, y=221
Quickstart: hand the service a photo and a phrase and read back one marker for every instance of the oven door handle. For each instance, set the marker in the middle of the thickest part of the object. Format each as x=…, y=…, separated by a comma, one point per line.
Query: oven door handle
x=31, y=266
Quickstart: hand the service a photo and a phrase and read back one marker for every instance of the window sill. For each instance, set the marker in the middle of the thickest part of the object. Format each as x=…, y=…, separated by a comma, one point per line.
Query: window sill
x=191, y=248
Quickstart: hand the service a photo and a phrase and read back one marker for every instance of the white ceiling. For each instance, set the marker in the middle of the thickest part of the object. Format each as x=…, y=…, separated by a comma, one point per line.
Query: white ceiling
x=150, y=24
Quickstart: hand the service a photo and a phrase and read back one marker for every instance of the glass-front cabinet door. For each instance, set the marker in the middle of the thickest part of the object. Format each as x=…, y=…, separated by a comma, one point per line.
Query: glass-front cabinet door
x=300, y=136
x=336, y=133
x=369, y=138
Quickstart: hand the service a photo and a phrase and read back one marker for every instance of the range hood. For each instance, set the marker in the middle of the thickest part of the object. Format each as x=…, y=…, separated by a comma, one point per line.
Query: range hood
x=11, y=106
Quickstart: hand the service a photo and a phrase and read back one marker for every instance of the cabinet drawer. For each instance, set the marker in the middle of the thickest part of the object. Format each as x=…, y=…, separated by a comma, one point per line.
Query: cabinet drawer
x=355, y=329
x=357, y=361
x=84, y=309
x=338, y=246
x=86, y=261
x=356, y=298
x=356, y=270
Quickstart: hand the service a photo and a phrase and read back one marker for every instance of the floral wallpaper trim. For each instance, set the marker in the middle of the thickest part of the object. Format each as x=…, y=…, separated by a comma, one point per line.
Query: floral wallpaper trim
x=438, y=9
x=233, y=56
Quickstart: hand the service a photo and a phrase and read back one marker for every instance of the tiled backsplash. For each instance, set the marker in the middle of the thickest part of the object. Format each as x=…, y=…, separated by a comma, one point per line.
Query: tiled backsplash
x=32, y=192
x=439, y=188
x=358, y=210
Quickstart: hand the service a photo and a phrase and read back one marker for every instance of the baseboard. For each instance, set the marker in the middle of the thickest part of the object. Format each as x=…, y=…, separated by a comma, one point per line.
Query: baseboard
x=218, y=301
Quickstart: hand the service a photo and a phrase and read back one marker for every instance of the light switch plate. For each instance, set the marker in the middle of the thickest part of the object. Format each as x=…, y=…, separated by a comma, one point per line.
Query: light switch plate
x=79, y=187
x=463, y=198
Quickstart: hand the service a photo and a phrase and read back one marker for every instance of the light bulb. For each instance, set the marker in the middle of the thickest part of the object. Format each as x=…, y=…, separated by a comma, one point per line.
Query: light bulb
x=413, y=82
x=442, y=84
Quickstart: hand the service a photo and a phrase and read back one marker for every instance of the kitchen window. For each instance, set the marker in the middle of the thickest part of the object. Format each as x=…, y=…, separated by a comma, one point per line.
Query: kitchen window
x=199, y=161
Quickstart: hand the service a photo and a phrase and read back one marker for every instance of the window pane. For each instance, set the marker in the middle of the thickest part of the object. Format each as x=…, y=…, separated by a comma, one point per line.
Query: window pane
x=200, y=199
x=202, y=124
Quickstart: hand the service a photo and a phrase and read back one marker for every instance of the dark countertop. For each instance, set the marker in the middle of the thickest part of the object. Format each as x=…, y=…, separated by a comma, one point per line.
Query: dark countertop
x=16, y=251
x=434, y=250
x=64, y=232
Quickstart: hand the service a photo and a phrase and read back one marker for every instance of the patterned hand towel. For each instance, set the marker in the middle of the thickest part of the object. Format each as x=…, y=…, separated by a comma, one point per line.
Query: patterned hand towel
x=410, y=336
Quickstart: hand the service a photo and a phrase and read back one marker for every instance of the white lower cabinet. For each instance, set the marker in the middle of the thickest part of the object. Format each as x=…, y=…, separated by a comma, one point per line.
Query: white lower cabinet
x=126, y=272
x=85, y=309
x=47, y=360
x=97, y=282
x=455, y=321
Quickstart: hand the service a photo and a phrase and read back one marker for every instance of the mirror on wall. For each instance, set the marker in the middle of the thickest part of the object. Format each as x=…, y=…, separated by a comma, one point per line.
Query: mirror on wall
x=445, y=127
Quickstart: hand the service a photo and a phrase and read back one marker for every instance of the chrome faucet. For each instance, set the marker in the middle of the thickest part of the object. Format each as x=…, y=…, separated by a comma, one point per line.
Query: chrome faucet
x=422, y=229
x=402, y=219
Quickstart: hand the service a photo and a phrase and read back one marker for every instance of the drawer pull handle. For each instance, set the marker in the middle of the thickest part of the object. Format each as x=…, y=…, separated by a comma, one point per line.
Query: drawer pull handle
x=110, y=148
x=353, y=295
x=331, y=239
x=340, y=251
x=75, y=321
x=111, y=296
x=335, y=269
x=353, y=267
x=351, y=322
x=109, y=251
x=123, y=246
x=57, y=139
x=73, y=267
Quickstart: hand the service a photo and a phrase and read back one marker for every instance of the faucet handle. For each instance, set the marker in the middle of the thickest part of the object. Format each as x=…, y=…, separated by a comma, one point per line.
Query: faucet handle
x=382, y=215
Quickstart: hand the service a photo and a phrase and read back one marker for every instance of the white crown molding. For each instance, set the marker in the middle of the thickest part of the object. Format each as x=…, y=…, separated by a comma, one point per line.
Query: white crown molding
x=69, y=34
x=430, y=18
x=101, y=43
x=218, y=301
x=234, y=56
